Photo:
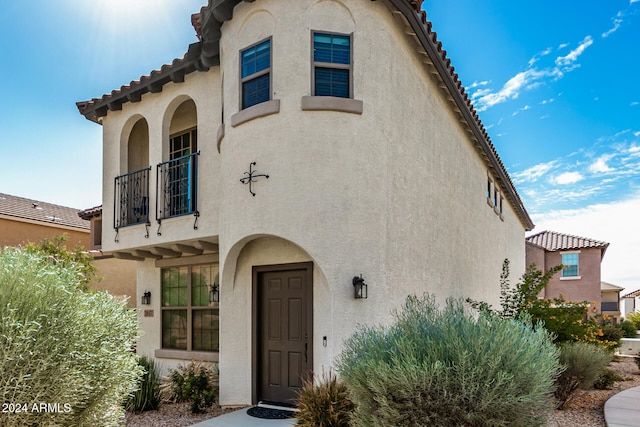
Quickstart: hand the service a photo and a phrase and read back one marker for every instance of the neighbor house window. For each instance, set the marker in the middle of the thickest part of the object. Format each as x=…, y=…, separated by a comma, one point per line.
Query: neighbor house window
x=189, y=321
x=255, y=64
x=570, y=265
x=332, y=65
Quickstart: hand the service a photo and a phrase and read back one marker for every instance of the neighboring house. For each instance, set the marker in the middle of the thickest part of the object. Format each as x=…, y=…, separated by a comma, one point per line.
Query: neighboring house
x=118, y=277
x=25, y=220
x=339, y=144
x=579, y=280
x=630, y=302
x=610, y=300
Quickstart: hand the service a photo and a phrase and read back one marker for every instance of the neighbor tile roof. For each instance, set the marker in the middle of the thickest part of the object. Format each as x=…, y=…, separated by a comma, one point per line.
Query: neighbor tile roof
x=205, y=54
x=632, y=294
x=34, y=210
x=553, y=241
x=90, y=213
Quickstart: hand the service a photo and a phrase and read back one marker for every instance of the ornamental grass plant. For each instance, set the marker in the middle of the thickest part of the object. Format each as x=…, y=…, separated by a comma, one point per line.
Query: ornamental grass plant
x=446, y=367
x=62, y=346
x=324, y=402
x=147, y=395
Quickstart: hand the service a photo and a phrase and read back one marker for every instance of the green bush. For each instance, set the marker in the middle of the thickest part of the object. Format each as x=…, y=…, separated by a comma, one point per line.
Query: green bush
x=195, y=383
x=325, y=403
x=606, y=379
x=147, y=396
x=634, y=317
x=629, y=329
x=446, y=367
x=583, y=363
x=62, y=346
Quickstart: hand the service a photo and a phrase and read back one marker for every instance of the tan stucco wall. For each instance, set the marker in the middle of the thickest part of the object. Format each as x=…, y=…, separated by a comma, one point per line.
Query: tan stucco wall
x=14, y=233
x=118, y=277
x=397, y=194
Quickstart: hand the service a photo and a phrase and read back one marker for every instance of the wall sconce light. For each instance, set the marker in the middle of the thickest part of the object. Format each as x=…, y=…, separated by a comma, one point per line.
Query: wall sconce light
x=359, y=287
x=146, y=298
x=214, y=290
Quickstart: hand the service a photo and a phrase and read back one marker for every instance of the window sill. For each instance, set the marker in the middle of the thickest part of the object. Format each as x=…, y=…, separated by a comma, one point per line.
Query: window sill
x=331, y=103
x=259, y=110
x=490, y=202
x=570, y=277
x=204, y=356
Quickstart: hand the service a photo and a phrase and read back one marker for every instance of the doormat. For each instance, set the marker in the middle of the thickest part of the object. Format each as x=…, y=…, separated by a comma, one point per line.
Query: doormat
x=269, y=413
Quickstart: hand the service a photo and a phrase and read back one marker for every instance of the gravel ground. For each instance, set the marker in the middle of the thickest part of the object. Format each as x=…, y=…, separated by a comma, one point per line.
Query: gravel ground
x=172, y=415
x=584, y=409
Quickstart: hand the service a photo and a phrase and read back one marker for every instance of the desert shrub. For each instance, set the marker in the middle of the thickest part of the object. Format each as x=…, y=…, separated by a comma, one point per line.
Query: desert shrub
x=194, y=382
x=147, y=396
x=60, y=345
x=629, y=329
x=583, y=363
x=446, y=367
x=324, y=403
x=637, y=359
x=634, y=317
x=606, y=379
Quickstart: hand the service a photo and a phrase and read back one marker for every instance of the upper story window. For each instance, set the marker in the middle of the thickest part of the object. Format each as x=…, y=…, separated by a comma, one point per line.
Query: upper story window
x=332, y=65
x=570, y=265
x=256, y=74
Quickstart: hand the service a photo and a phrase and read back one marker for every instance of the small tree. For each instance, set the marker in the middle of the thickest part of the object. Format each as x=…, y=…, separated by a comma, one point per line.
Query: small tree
x=77, y=258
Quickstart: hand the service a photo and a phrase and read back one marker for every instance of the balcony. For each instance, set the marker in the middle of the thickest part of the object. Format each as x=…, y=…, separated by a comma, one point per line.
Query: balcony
x=177, y=187
x=131, y=199
x=609, y=306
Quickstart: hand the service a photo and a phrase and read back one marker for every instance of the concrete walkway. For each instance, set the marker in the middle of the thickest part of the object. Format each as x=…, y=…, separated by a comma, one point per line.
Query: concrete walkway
x=623, y=409
x=240, y=418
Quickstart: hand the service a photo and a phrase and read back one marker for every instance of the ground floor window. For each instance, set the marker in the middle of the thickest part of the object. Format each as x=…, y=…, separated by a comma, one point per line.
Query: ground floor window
x=189, y=320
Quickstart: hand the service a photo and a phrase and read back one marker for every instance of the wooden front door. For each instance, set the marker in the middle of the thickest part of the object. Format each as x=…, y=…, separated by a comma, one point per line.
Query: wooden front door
x=284, y=330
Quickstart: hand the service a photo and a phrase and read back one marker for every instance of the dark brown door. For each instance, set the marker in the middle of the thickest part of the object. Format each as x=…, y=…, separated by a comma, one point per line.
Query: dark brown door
x=284, y=331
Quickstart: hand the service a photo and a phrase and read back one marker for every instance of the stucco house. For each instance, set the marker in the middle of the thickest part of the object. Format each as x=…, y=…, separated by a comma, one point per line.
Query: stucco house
x=630, y=302
x=610, y=304
x=580, y=278
x=25, y=220
x=117, y=276
x=302, y=155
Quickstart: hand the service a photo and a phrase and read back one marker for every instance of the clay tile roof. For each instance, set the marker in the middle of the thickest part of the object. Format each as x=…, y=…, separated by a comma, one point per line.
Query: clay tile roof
x=87, y=214
x=47, y=213
x=632, y=294
x=552, y=241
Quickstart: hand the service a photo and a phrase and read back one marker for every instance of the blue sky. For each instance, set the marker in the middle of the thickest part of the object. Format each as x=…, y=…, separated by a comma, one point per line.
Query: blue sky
x=556, y=85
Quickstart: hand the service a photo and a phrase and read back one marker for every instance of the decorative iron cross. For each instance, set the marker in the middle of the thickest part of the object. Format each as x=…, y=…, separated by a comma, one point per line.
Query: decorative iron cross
x=251, y=175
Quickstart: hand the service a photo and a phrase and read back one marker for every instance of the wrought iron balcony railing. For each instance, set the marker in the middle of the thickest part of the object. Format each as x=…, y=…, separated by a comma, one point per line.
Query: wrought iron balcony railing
x=177, y=187
x=609, y=306
x=131, y=199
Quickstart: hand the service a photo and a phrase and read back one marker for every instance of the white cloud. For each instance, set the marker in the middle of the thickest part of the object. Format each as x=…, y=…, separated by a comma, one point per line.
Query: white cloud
x=615, y=223
x=572, y=56
x=511, y=89
x=600, y=165
x=616, y=25
x=533, y=173
x=568, y=178
x=633, y=1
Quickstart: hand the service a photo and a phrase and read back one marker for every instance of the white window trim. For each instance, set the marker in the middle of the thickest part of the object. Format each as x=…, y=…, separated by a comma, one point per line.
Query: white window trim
x=578, y=277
